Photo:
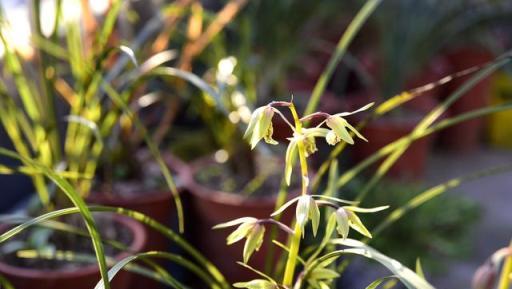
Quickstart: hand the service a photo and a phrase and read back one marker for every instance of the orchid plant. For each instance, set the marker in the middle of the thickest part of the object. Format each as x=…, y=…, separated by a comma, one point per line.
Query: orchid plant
x=343, y=213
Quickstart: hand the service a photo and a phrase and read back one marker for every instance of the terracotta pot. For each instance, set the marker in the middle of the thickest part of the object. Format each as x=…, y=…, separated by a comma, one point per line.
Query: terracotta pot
x=211, y=207
x=81, y=278
x=436, y=69
x=386, y=130
x=157, y=204
x=465, y=137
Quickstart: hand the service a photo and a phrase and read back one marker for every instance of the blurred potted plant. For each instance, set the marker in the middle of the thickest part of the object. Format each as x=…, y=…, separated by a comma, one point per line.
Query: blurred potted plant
x=411, y=54
x=32, y=118
x=466, y=137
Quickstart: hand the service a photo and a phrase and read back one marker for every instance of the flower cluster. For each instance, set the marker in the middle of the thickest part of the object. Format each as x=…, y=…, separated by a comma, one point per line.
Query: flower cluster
x=260, y=127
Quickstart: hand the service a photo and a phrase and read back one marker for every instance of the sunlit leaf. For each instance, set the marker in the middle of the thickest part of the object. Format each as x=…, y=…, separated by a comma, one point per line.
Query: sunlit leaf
x=256, y=284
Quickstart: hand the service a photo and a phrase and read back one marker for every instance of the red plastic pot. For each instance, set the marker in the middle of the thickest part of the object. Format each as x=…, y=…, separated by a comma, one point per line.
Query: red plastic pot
x=465, y=137
x=81, y=278
x=211, y=207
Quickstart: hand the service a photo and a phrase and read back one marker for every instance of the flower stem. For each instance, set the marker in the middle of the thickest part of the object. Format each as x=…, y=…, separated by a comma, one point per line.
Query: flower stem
x=295, y=239
x=506, y=272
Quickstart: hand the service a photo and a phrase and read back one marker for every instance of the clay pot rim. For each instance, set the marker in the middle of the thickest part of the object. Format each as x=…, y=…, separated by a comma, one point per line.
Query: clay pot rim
x=187, y=172
x=148, y=196
x=137, y=244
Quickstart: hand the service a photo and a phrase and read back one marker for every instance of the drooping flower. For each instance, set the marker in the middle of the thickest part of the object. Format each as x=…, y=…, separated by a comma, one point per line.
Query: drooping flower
x=257, y=284
x=250, y=229
x=346, y=218
x=340, y=127
x=260, y=126
x=307, y=209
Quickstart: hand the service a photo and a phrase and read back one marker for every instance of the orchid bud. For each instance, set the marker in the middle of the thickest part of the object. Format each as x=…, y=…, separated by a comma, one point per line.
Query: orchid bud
x=484, y=277
x=340, y=126
x=248, y=228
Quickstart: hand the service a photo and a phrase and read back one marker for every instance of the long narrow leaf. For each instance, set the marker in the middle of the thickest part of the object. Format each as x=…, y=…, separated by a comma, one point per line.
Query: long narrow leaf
x=341, y=48
x=69, y=191
x=410, y=279
x=154, y=151
x=164, y=230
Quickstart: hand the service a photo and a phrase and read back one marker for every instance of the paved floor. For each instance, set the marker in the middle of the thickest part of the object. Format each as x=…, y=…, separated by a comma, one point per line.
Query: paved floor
x=494, y=193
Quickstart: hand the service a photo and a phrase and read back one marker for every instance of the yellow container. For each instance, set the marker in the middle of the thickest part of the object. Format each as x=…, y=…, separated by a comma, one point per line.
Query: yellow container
x=500, y=124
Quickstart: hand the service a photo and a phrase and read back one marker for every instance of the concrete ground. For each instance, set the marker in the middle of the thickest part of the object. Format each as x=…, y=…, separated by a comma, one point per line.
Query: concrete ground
x=494, y=193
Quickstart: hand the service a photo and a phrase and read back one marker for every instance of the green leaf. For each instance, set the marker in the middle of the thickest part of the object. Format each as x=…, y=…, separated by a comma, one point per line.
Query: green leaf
x=365, y=210
x=157, y=273
x=5, y=283
x=124, y=262
x=256, y=284
x=77, y=201
x=419, y=269
x=155, y=152
x=342, y=114
x=410, y=279
x=254, y=241
x=357, y=225
x=257, y=272
x=323, y=273
x=329, y=229
x=375, y=284
x=342, y=46
x=323, y=285
x=285, y=206
x=144, y=219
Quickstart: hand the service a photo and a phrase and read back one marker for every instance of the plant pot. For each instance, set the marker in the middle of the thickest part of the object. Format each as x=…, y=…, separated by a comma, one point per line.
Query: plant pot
x=465, y=137
x=436, y=69
x=78, y=278
x=384, y=131
x=157, y=204
x=211, y=207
